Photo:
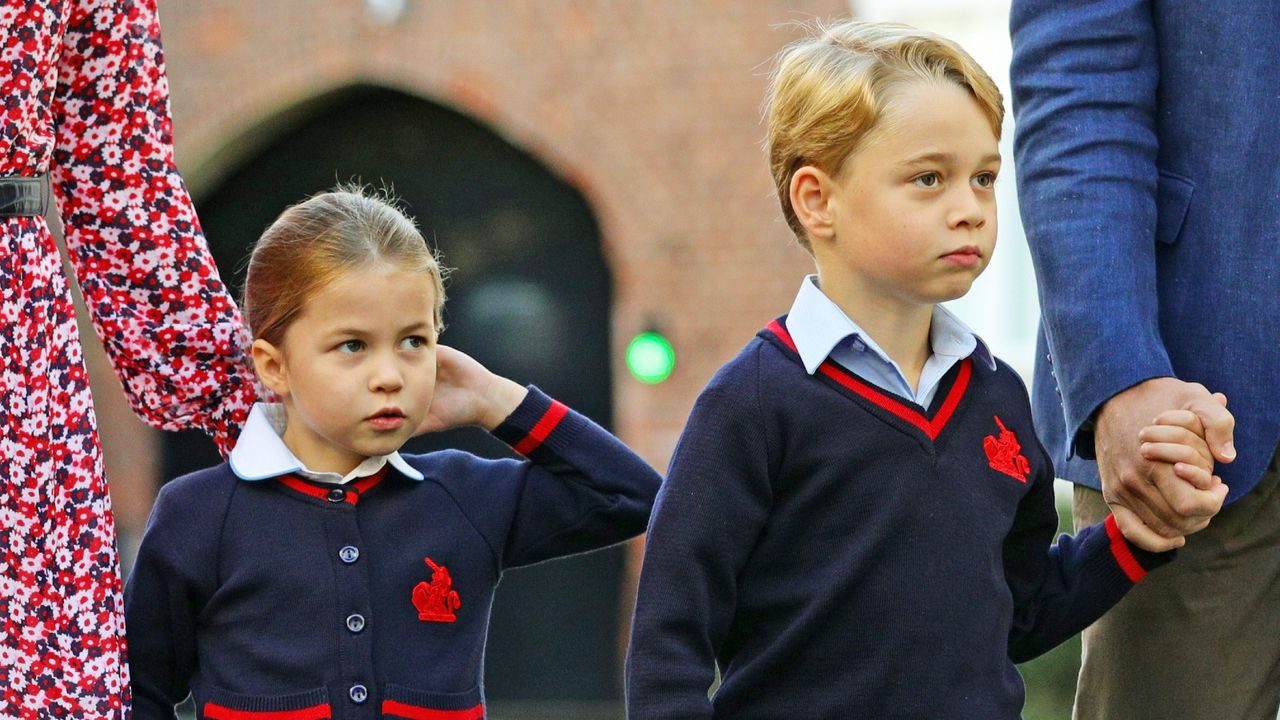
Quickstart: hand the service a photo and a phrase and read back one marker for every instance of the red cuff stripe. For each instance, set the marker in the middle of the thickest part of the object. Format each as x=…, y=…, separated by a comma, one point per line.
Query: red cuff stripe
x=1123, y=555
x=540, y=432
x=413, y=712
x=213, y=711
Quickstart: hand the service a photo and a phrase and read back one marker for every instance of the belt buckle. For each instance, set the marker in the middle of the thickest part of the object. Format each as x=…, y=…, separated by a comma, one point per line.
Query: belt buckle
x=22, y=196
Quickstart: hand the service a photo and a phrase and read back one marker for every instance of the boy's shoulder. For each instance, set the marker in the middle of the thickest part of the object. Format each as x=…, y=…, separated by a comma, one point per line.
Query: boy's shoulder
x=748, y=384
x=1004, y=379
x=768, y=352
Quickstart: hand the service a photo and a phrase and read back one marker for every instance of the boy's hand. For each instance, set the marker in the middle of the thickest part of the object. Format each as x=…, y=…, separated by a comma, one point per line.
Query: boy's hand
x=1175, y=437
x=1158, y=502
x=466, y=393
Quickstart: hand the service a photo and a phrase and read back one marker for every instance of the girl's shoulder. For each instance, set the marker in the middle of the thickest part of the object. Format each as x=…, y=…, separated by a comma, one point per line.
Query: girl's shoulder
x=448, y=467
x=190, y=500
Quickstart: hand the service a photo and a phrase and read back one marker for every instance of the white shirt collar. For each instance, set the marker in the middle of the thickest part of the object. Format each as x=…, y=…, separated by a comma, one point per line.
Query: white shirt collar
x=260, y=453
x=817, y=325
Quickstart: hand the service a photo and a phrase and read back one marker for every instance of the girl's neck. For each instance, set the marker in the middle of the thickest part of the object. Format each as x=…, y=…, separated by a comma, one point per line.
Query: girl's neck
x=316, y=454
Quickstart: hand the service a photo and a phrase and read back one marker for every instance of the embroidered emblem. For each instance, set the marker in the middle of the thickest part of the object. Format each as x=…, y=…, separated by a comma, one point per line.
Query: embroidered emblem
x=1004, y=453
x=436, y=601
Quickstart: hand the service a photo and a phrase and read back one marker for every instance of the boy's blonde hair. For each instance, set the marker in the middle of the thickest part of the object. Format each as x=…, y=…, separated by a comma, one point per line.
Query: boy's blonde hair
x=828, y=91
x=314, y=242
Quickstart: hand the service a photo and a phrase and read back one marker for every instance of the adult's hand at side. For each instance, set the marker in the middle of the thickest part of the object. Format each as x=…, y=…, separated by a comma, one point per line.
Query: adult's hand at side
x=1151, y=493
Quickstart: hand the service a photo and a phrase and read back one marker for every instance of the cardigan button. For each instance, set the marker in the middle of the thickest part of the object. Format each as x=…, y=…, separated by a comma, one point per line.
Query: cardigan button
x=349, y=554
x=355, y=622
x=336, y=495
x=358, y=694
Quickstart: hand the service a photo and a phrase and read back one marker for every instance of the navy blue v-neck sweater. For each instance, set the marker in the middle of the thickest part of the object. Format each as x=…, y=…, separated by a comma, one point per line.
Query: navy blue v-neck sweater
x=843, y=553
x=286, y=600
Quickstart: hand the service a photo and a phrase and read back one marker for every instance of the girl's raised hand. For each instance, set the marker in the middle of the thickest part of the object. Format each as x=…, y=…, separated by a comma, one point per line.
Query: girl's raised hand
x=466, y=393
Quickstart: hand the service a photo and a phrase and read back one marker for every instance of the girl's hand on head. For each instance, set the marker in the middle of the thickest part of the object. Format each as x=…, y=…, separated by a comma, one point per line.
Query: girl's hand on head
x=466, y=393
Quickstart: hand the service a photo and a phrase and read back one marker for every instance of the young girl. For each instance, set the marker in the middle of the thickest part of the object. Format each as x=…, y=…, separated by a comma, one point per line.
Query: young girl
x=321, y=574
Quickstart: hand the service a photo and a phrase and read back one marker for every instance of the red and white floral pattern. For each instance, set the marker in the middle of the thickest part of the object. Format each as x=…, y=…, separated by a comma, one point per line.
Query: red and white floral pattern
x=85, y=99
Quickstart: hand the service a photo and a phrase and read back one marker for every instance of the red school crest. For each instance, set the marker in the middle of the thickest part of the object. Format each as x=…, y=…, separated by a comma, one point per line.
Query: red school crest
x=1004, y=453
x=436, y=601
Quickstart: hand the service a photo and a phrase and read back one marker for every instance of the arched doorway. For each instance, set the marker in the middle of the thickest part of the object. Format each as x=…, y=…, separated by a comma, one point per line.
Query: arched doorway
x=529, y=297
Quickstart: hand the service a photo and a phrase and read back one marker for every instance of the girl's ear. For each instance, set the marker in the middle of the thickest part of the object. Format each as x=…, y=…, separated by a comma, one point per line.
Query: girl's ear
x=811, y=196
x=268, y=361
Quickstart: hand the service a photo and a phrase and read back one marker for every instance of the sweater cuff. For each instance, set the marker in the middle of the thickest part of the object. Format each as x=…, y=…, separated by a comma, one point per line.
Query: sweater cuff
x=1133, y=560
x=538, y=422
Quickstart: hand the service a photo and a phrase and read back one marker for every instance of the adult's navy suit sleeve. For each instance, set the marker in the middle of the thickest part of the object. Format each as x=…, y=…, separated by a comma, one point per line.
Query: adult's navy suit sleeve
x=1084, y=79
x=709, y=514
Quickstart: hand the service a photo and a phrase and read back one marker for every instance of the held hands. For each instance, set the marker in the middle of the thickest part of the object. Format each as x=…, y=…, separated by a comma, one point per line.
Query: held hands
x=466, y=393
x=1158, y=478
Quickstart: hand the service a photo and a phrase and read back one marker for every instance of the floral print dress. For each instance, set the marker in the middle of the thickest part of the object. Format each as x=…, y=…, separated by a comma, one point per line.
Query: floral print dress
x=85, y=100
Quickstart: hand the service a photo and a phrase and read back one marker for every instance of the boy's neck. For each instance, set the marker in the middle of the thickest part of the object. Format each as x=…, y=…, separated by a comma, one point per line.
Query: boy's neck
x=900, y=328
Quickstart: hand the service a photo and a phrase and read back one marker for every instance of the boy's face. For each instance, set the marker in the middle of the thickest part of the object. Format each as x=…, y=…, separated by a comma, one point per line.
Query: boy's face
x=914, y=210
x=359, y=367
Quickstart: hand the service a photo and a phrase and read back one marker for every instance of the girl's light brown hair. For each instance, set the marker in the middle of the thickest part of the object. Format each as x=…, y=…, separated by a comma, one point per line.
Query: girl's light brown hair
x=314, y=242
x=828, y=91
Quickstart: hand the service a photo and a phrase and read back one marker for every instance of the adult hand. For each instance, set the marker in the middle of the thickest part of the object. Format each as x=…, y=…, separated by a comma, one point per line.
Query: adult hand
x=1143, y=493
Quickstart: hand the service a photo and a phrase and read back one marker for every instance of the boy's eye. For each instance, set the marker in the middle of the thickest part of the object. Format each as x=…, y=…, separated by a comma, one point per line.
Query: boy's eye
x=984, y=180
x=351, y=346
x=413, y=342
x=927, y=180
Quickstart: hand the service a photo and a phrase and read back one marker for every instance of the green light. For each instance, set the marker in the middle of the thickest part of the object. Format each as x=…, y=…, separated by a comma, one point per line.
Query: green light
x=650, y=358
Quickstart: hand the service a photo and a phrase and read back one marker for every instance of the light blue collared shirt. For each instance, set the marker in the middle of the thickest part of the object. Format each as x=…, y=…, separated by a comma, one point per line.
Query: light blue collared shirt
x=821, y=329
x=260, y=453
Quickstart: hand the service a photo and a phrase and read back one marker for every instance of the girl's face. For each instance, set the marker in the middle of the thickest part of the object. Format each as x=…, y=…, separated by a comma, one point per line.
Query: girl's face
x=357, y=367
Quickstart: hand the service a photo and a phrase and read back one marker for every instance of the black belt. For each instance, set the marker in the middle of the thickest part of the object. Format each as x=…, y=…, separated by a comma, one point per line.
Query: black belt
x=22, y=196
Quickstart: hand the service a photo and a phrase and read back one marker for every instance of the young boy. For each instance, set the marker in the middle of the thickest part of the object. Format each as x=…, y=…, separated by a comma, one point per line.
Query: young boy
x=858, y=517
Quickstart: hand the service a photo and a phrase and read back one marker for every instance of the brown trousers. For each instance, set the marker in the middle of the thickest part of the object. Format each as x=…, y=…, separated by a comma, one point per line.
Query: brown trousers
x=1197, y=639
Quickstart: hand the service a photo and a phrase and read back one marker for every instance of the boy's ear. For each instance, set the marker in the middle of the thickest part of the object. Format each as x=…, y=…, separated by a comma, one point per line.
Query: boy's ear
x=811, y=195
x=268, y=362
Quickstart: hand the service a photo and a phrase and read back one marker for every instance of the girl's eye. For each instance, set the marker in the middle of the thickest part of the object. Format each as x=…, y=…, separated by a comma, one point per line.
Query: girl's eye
x=351, y=346
x=413, y=342
x=984, y=180
x=927, y=180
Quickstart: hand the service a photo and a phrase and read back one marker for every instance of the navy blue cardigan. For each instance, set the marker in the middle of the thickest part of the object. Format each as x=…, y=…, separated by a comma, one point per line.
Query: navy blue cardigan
x=287, y=599
x=844, y=553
